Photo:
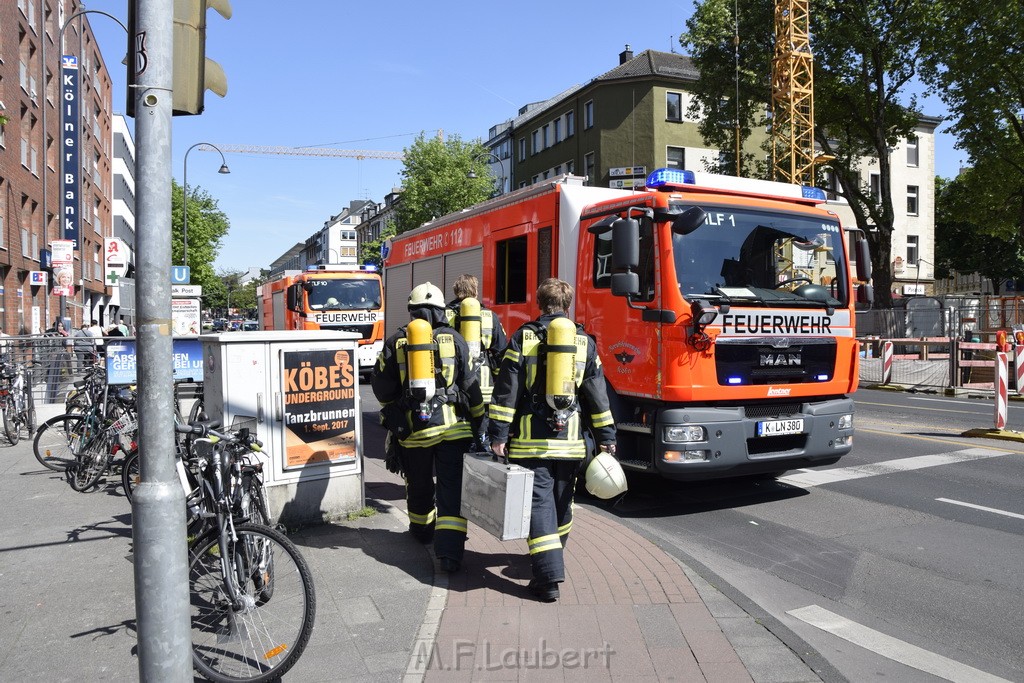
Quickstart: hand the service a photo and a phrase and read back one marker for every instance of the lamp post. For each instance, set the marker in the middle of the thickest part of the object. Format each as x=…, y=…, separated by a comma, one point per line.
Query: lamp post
x=472, y=173
x=917, y=277
x=184, y=195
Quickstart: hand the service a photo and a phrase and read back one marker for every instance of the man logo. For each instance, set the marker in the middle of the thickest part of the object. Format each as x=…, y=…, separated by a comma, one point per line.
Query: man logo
x=780, y=360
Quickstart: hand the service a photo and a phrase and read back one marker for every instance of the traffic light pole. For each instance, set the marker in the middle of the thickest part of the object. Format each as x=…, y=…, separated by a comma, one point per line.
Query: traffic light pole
x=158, y=503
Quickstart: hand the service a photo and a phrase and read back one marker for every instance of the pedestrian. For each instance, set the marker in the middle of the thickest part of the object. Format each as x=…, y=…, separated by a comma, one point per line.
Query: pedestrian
x=492, y=341
x=524, y=429
x=96, y=332
x=118, y=330
x=58, y=358
x=84, y=346
x=431, y=418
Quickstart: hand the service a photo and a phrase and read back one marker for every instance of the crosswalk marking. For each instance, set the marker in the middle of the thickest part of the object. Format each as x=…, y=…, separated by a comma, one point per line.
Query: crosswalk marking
x=981, y=507
x=806, y=478
x=892, y=648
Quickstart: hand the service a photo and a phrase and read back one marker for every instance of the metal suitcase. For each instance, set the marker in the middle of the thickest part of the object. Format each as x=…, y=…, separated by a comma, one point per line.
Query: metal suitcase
x=497, y=497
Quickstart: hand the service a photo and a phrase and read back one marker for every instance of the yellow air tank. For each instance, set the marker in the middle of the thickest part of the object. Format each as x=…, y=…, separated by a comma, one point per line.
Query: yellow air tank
x=420, y=352
x=469, y=325
x=561, y=362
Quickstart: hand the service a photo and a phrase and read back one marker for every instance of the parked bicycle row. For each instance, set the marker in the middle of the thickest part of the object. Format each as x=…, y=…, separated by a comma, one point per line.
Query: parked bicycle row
x=253, y=602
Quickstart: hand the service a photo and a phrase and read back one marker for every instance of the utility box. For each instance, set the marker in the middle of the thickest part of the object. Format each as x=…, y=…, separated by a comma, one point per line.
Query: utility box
x=302, y=391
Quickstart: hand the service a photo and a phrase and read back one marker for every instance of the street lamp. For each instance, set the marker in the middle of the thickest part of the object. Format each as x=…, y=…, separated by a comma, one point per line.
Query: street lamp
x=917, y=278
x=184, y=195
x=472, y=174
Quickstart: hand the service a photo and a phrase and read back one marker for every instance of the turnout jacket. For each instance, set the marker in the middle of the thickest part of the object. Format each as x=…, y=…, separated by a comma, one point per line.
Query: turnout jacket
x=457, y=400
x=492, y=343
x=519, y=414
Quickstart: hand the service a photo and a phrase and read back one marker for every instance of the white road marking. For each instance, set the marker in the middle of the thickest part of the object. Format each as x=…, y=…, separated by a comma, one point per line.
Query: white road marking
x=981, y=507
x=806, y=478
x=891, y=648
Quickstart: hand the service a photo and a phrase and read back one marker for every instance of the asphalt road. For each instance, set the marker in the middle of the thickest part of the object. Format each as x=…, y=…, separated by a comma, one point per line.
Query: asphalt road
x=903, y=560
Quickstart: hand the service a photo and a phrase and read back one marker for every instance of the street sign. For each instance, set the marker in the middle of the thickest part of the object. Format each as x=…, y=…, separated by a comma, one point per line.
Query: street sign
x=181, y=275
x=187, y=290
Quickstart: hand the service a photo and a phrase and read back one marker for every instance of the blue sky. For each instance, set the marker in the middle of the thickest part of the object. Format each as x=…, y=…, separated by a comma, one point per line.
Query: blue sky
x=373, y=75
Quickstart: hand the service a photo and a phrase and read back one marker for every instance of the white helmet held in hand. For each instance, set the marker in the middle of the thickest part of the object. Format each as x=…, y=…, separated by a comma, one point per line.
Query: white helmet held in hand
x=605, y=478
x=426, y=295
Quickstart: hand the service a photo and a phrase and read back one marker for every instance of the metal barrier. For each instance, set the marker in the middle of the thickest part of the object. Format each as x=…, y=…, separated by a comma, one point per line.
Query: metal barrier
x=935, y=362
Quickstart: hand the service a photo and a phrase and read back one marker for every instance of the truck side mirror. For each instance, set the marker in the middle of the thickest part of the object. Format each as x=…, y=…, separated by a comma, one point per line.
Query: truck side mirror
x=294, y=298
x=863, y=260
x=689, y=220
x=865, y=294
x=625, y=284
x=625, y=244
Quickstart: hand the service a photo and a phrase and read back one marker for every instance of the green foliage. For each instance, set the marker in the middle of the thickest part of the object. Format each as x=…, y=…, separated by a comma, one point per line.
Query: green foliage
x=865, y=53
x=435, y=179
x=369, y=252
x=207, y=227
x=971, y=234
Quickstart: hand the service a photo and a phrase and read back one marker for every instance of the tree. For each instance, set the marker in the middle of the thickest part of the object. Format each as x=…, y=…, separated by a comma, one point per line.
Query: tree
x=436, y=179
x=973, y=61
x=369, y=252
x=966, y=240
x=207, y=227
x=866, y=54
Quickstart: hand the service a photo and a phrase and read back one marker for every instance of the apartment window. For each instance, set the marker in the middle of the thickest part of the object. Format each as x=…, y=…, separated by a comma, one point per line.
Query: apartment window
x=24, y=242
x=911, y=200
x=570, y=167
x=912, y=250
x=570, y=124
x=96, y=264
x=912, y=151
x=588, y=168
x=676, y=157
x=588, y=115
x=674, y=106
x=535, y=142
x=557, y=123
x=546, y=135
x=522, y=149
x=875, y=182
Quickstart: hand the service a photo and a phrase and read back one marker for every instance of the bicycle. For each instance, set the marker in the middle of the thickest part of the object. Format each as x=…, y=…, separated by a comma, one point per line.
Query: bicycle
x=252, y=599
x=16, y=402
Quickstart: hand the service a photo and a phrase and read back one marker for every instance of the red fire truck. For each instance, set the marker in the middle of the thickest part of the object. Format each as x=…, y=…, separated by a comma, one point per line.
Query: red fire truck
x=340, y=298
x=723, y=308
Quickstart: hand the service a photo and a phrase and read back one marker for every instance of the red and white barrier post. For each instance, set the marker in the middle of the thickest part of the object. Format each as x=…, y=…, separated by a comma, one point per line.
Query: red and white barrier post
x=886, y=362
x=1018, y=366
x=1002, y=373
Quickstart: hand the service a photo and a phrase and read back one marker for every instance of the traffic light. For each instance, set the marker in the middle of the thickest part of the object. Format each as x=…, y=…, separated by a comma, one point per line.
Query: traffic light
x=194, y=74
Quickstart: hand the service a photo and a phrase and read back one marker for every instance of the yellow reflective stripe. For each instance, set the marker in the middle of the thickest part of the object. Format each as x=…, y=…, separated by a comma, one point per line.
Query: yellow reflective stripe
x=512, y=355
x=434, y=435
x=602, y=419
x=477, y=411
x=565, y=529
x=400, y=358
x=451, y=523
x=500, y=413
x=544, y=543
x=423, y=519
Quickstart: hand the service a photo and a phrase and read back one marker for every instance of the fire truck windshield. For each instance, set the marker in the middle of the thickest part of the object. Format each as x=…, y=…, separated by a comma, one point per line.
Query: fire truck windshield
x=354, y=294
x=767, y=258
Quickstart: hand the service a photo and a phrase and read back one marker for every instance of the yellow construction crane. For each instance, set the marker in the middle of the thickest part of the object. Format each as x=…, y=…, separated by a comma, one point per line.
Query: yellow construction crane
x=305, y=151
x=793, y=153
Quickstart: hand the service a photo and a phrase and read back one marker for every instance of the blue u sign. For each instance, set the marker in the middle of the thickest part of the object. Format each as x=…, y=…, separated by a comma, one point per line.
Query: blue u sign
x=181, y=275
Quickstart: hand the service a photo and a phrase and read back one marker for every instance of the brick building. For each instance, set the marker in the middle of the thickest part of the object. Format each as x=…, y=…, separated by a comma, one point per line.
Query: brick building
x=34, y=144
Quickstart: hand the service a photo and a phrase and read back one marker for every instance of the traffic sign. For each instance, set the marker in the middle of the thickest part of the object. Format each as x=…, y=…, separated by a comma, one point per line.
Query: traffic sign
x=181, y=275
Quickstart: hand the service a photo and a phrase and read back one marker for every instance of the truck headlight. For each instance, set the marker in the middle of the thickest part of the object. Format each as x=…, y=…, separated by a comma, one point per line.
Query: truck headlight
x=846, y=422
x=684, y=434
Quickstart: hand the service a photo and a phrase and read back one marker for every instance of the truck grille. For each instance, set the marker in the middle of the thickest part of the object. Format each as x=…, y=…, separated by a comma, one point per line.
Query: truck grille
x=774, y=361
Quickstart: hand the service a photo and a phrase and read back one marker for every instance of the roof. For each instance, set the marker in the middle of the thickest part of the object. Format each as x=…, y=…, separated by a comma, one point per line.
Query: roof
x=653, y=63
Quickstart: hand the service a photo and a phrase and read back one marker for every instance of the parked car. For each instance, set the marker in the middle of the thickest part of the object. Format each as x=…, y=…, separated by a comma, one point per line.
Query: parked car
x=220, y=325
x=250, y=326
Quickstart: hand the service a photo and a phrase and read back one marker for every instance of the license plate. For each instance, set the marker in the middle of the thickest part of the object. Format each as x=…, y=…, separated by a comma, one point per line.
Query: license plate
x=779, y=427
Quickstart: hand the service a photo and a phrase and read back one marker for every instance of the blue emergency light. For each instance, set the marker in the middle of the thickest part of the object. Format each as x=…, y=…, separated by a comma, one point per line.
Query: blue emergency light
x=668, y=178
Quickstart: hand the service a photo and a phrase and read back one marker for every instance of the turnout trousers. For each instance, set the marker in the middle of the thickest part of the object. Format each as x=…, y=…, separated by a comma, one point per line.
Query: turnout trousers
x=554, y=483
x=444, y=523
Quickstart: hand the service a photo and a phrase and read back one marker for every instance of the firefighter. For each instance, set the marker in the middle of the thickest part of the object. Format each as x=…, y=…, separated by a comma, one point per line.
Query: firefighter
x=482, y=330
x=549, y=390
x=430, y=403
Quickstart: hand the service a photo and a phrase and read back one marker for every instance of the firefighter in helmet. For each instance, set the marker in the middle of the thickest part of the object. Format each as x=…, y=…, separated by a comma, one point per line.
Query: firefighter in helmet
x=482, y=330
x=430, y=403
x=550, y=390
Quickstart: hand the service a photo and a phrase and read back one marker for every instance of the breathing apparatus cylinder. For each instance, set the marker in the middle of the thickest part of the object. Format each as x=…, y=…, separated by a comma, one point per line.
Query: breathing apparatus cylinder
x=561, y=370
x=469, y=325
x=421, y=364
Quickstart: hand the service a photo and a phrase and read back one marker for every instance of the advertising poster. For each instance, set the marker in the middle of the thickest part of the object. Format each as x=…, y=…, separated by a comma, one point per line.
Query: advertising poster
x=319, y=407
x=121, y=361
x=63, y=264
x=186, y=314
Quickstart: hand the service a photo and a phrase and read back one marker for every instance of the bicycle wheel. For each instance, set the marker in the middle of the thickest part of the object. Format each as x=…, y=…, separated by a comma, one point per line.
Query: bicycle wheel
x=91, y=463
x=53, y=443
x=11, y=427
x=131, y=474
x=256, y=639
x=30, y=413
x=253, y=503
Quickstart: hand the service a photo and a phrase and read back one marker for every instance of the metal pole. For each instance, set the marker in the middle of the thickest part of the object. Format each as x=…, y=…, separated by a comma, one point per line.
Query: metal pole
x=184, y=194
x=158, y=505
